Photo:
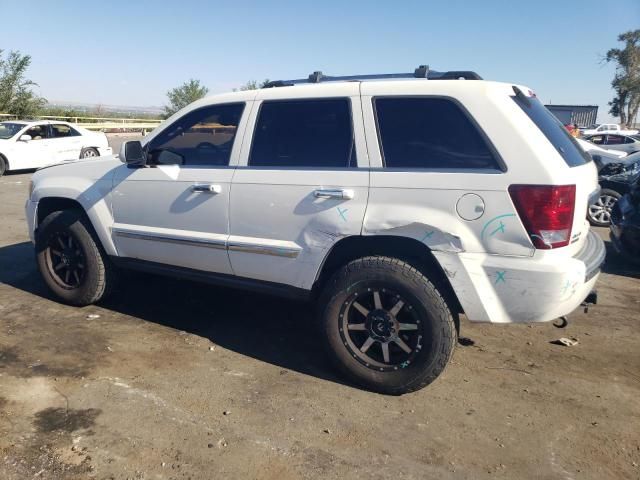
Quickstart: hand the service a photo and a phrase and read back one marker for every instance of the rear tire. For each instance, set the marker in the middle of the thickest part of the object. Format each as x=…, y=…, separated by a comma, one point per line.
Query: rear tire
x=3, y=166
x=70, y=259
x=89, y=153
x=599, y=214
x=409, y=316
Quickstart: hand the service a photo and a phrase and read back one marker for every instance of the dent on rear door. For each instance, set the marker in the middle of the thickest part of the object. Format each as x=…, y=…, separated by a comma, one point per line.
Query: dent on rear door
x=282, y=225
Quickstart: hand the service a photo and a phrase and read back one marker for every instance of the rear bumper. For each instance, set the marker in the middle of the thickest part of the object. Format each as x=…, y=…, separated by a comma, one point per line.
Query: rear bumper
x=500, y=289
x=104, y=151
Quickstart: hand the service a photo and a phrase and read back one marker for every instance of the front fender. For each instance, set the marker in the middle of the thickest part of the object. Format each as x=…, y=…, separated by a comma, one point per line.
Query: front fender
x=93, y=193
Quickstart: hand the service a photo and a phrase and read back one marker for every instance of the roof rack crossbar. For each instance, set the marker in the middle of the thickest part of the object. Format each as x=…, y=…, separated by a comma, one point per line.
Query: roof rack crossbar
x=421, y=72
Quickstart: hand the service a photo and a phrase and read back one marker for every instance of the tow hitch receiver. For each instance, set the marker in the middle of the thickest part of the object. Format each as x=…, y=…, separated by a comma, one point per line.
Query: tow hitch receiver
x=592, y=299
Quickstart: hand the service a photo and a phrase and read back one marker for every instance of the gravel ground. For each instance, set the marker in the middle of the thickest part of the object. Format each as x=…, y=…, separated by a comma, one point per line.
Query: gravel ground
x=171, y=379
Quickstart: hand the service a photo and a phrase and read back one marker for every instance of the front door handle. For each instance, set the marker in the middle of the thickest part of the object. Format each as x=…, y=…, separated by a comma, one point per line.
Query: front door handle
x=340, y=194
x=206, y=188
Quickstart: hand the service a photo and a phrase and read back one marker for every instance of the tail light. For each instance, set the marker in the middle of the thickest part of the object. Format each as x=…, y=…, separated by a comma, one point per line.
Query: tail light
x=546, y=211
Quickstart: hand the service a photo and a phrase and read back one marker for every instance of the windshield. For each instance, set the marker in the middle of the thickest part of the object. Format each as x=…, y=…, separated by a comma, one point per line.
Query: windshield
x=553, y=129
x=8, y=129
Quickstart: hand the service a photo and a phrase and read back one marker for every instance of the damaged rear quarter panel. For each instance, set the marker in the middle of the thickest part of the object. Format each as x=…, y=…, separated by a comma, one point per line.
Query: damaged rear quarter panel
x=429, y=216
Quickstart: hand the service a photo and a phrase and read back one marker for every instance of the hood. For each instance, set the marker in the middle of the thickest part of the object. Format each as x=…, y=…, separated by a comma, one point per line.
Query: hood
x=88, y=168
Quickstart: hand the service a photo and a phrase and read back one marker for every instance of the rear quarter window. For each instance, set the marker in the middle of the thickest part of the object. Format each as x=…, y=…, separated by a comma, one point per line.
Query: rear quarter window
x=430, y=133
x=553, y=129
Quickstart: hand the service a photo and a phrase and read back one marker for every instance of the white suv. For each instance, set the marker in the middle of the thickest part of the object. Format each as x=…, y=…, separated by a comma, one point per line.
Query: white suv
x=394, y=204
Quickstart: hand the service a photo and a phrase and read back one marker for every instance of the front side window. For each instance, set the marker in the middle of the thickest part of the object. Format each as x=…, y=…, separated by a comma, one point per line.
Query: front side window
x=63, y=131
x=203, y=137
x=304, y=133
x=430, y=133
x=38, y=132
x=629, y=140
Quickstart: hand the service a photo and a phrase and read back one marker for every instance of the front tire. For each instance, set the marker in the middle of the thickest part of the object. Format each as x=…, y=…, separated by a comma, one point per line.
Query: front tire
x=599, y=214
x=70, y=260
x=386, y=326
x=3, y=166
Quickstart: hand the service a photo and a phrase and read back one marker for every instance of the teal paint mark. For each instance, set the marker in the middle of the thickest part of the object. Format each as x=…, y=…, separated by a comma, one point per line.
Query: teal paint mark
x=404, y=364
x=494, y=219
x=499, y=229
x=566, y=287
x=342, y=213
x=426, y=235
x=500, y=277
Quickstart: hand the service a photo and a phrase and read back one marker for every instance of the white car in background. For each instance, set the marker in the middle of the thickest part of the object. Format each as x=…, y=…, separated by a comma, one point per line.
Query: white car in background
x=613, y=141
x=35, y=144
x=606, y=156
x=608, y=128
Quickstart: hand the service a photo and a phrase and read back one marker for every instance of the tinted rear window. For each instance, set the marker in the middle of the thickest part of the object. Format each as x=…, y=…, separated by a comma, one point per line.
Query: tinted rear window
x=430, y=133
x=553, y=129
x=304, y=133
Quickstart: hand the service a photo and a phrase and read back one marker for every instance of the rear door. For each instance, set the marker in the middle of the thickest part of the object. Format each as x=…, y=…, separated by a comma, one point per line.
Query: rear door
x=300, y=185
x=66, y=142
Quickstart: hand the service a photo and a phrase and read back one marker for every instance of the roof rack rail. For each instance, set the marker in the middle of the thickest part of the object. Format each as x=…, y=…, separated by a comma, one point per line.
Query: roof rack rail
x=421, y=72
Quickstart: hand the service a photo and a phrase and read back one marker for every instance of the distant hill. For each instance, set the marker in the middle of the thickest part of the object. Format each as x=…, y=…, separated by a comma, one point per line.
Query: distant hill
x=93, y=108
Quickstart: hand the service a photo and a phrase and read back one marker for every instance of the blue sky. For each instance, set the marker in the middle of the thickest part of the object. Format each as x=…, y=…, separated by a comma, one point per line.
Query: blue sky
x=131, y=53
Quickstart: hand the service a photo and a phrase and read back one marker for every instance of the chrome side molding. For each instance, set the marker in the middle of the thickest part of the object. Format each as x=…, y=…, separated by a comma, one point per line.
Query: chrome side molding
x=156, y=237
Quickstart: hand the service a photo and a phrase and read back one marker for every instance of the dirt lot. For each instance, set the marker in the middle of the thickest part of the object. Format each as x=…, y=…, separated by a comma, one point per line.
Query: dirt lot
x=171, y=379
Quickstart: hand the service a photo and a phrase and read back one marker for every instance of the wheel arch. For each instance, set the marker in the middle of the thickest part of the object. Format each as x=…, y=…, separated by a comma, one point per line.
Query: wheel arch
x=49, y=204
x=407, y=249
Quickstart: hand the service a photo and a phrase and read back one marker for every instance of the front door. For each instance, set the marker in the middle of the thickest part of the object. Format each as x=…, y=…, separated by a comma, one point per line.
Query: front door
x=300, y=186
x=174, y=211
x=34, y=153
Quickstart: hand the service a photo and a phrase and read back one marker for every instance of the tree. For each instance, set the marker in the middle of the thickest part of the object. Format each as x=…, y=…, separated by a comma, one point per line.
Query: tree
x=183, y=95
x=626, y=81
x=16, y=94
x=253, y=85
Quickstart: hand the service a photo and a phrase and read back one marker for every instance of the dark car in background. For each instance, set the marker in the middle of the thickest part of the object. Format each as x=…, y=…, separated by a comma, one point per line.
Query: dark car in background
x=625, y=225
x=616, y=179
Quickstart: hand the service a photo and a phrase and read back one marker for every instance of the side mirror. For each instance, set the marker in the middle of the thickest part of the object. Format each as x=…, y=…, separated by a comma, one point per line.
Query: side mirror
x=24, y=138
x=133, y=154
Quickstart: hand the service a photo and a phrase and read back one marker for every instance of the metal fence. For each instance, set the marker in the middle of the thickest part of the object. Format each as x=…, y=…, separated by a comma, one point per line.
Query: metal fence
x=105, y=124
x=583, y=115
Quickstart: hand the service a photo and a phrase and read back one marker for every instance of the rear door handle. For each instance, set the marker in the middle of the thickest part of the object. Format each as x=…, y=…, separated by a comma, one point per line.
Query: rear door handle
x=340, y=194
x=206, y=188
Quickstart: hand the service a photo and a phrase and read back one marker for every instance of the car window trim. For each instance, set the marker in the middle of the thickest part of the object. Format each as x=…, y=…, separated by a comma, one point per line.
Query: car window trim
x=494, y=151
x=354, y=151
x=213, y=105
